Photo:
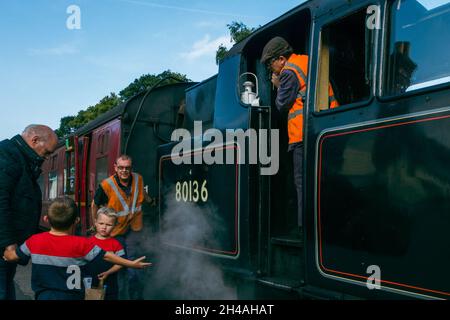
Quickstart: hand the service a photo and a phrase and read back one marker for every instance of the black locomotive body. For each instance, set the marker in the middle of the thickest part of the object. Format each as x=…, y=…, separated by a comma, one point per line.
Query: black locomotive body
x=376, y=186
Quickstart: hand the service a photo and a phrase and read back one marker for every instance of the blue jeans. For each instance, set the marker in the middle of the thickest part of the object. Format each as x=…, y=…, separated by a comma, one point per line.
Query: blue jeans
x=131, y=281
x=7, y=272
x=59, y=295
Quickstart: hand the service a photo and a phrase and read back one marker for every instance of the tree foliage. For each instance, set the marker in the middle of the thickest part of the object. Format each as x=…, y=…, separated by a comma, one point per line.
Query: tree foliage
x=148, y=80
x=238, y=32
x=70, y=124
x=64, y=126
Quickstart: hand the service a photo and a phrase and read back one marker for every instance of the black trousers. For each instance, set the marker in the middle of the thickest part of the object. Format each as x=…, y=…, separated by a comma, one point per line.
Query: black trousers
x=131, y=281
x=7, y=272
x=297, y=156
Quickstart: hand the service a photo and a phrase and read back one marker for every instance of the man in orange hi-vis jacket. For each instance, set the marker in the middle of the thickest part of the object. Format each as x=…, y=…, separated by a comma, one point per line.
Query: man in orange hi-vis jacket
x=289, y=76
x=124, y=192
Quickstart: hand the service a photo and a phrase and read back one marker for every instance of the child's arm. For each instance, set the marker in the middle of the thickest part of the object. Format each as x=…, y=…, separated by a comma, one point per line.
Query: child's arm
x=115, y=268
x=136, y=264
x=21, y=254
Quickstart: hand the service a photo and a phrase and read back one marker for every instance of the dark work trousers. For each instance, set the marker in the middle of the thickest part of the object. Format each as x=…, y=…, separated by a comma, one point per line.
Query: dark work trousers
x=7, y=272
x=297, y=155
x=131, y=281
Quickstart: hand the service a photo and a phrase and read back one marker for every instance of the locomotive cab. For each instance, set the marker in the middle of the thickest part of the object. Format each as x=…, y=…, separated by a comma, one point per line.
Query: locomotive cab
x=296, y=30
x=280, y=243
x=252, y=236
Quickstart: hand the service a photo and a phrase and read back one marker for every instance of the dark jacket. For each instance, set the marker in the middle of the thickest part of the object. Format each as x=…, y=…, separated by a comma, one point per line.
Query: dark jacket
x=20, y=195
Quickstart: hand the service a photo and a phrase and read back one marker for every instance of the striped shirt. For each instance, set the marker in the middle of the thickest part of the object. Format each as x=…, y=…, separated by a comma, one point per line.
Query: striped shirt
x=58, y=261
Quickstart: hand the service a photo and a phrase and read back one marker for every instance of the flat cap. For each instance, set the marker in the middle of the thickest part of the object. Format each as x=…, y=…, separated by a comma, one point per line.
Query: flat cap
x=274, y=48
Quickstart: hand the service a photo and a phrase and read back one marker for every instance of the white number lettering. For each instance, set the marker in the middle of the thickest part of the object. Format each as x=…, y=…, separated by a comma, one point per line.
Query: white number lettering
x=185, y=191
x=204, y=192
x=178, y=191
x=196, y=195
x=189, y=191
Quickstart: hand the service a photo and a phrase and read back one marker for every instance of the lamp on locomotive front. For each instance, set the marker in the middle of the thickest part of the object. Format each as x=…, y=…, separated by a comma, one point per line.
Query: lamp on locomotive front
x=248, y=96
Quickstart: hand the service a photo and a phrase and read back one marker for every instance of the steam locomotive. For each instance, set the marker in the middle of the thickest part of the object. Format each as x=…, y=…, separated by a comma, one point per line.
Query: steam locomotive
x=376, y=184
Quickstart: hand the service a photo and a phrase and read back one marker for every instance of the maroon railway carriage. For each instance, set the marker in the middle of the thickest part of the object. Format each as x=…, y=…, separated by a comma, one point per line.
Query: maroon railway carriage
x=87, y=156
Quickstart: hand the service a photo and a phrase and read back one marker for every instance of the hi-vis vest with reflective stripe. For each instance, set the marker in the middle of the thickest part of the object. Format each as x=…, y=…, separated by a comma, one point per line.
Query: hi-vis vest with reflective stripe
x=129, y=209
x=299, y=65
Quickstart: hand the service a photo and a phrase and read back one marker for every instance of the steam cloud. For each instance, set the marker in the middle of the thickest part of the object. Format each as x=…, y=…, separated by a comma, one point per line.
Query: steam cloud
x=179, y=273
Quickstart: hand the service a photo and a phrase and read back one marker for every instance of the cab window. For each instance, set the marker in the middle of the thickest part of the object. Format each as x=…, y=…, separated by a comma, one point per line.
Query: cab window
x=344, y=62
x=418, y=46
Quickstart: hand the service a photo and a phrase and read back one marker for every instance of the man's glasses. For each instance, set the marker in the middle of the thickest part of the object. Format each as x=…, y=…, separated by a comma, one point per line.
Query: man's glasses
x=120, y=168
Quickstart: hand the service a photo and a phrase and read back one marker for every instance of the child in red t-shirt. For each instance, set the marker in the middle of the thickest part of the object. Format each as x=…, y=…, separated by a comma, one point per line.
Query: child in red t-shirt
x=58, y=257
x=100, y=269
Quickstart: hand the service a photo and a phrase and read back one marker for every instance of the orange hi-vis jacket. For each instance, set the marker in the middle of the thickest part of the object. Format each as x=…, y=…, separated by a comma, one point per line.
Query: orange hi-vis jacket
x=129, y=209
x=299, y=65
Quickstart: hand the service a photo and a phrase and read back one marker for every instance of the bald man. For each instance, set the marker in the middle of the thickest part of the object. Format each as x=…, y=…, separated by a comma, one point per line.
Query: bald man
x=21, y=158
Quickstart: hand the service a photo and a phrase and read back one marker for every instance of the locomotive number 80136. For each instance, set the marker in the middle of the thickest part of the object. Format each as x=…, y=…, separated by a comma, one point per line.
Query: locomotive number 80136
x=191, y=191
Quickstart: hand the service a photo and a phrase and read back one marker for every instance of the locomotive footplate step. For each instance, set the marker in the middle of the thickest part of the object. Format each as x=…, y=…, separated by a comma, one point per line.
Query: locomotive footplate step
x=287, y=241
x=281, y=283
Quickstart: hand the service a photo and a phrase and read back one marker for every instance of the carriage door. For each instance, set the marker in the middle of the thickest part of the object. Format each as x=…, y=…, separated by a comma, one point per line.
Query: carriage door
x=82, y=151
x=340, y=70
x=104, y=150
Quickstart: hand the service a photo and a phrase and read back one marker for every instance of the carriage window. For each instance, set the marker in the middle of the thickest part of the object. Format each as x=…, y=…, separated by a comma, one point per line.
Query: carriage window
x=52, y=185
x=101, y=170
x=105, y=146
x=100, y=144
x=419, y=45
x=69, y=174
x=40, y=182
x=53, y=162
x=344, y=62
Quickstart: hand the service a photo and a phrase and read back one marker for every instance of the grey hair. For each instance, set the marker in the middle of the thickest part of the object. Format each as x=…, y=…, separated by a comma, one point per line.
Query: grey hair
x=39, y=130
x=124, y=157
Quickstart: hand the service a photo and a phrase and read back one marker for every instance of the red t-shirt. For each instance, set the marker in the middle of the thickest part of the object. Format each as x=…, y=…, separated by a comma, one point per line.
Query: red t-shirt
x=99, y=266
x=56, y=258
x=110, y=244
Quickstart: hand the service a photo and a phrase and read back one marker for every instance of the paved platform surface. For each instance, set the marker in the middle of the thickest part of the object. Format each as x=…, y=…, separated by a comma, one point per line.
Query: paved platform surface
x=23, y=283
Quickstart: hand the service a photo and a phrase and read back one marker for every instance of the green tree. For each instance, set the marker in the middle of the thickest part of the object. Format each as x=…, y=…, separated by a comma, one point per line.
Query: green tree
x=70, y=124
x=64, y=127
x=238, y=32
x=148, y=80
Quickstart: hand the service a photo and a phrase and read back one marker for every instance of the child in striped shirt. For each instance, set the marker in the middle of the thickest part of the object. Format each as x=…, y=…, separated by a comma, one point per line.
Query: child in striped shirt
x=58, y=257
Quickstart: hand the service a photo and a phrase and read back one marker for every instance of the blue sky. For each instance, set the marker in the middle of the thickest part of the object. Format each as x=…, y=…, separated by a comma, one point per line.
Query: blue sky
x=48, y=71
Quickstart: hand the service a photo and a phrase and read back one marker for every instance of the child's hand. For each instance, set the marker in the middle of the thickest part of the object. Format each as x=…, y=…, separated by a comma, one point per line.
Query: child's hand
x=103, y=275
x=141, y=265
